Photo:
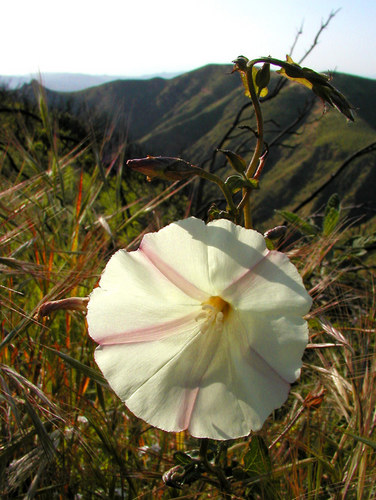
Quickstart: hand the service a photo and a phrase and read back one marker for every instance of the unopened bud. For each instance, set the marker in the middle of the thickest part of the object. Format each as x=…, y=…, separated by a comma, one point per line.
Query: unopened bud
x=342, y=104
x=174, y=477
x=293, y=71
x=314, y=77
x=240, y=63
x=69, y=304
x=163, y=167
x=275, y=233
x=263, y=76
x=333, y=97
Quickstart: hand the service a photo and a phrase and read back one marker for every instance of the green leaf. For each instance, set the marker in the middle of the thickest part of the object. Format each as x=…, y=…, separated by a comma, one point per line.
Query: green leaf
x=330, y=221
x=333, y=202
x=294, y=72
x=332, y=214
x=257, y=465
x=318, y=83
x=45, y=440
x=237, y=182
x=236, y=161
x=101, y=399
x=182, y=458
x=364, y=242
x=263, y=76
x=256, y=460
x=304, y=226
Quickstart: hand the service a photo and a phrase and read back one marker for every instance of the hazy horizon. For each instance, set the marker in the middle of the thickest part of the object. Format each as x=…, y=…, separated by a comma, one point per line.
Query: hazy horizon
x=125, y=38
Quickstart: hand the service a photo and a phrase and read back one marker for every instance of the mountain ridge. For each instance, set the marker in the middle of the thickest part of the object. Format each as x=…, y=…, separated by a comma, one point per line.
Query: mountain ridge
x=189, y=115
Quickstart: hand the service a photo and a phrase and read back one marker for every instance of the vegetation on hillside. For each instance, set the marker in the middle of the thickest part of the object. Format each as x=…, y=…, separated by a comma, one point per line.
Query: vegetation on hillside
x=194, y=114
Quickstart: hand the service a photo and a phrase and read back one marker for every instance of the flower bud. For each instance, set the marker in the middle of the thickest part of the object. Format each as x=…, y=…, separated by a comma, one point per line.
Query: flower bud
x=293, y=71
x=275, y=233
x=333, y=97
x=263, y=76
x=314, y=77
x=240, y=64
x=163, y=167
x=69, y=304
x=341, y=103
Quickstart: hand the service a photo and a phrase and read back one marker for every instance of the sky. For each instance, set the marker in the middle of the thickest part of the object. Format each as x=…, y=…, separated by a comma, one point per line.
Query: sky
x=142, y=37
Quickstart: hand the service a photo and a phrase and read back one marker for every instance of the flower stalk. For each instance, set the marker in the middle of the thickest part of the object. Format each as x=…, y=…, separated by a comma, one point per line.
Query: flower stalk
x=252, y=167
x=217, y=471
x=176, y=169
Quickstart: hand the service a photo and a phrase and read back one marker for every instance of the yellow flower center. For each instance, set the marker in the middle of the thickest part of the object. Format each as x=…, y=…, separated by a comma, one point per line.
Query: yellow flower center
x=213, y=313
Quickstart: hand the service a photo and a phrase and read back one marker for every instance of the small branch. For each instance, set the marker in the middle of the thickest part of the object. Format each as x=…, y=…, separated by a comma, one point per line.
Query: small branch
x=361, y=152
x=315, y=42
x=297, y=36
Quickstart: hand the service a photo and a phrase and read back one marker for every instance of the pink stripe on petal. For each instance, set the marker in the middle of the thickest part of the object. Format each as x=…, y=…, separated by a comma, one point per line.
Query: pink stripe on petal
x=268, y=366
x=186, y=408
x=249, y=351
x=241, y=283
x=149, y=333
x=172, y=275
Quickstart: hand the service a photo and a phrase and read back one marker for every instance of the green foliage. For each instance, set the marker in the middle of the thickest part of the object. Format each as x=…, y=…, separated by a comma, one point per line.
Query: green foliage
x=332, y=215
x=235, y=160
x=294, y=219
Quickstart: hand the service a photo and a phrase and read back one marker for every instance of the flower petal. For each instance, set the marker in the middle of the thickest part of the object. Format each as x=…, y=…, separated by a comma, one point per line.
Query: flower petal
x=211, y=256
x=274, y=284
x=238, y=391
x=157, y=380
x=131, y=301
x=213, y=384
x=279, y=340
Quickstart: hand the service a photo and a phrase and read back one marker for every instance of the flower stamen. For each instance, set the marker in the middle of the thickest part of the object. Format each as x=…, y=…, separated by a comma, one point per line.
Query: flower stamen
x=213, y=313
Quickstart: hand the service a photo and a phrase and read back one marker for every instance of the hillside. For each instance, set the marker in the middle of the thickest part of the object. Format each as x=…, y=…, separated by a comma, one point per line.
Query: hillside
x=188, y=115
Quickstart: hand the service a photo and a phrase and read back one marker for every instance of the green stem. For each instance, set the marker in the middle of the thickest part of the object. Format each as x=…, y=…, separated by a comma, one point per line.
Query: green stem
x=217, y=471
x=260, y=125
x=217, y=180
x=252, y=167
x=246, y=207
x=271, y=60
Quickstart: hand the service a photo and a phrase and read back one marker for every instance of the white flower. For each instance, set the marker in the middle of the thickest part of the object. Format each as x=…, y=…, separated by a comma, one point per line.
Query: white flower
x=201, y=328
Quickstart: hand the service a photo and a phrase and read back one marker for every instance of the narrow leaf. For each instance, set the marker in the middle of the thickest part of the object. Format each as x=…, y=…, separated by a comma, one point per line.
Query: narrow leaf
x=44, y=437
x=333, y=202
x=364, y=440
x=330, y=221
x=236, y=161
x=304, y=226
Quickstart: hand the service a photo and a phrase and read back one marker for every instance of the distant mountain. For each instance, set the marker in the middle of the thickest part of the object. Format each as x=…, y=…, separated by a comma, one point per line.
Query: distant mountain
x=189, y=115
x=70, y=82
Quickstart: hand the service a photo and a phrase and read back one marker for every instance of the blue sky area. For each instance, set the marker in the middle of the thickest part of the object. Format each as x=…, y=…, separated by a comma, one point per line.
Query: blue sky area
x=141, y=37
